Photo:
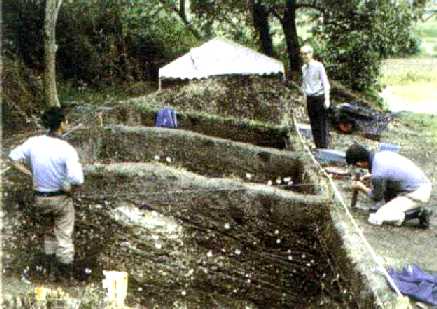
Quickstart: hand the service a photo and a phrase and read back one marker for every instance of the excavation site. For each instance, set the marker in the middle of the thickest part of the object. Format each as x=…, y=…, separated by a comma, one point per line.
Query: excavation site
x=228, y=210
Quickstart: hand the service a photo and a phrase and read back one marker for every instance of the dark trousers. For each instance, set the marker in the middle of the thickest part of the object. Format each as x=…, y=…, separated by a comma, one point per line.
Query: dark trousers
x=318, y=120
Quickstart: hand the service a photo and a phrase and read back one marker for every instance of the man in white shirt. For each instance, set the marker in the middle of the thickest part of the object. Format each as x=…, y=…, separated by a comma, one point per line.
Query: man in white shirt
x=54, y=167
x=315, y=86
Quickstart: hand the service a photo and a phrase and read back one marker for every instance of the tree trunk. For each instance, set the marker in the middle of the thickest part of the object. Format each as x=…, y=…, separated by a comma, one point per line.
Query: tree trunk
x=181, y=12
x=290, y=32
x=261, y=23
x=50, y=47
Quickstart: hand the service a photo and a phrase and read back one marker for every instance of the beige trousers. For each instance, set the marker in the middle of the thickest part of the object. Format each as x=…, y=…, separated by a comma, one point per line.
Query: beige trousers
x=56, y=214
x=394, y=210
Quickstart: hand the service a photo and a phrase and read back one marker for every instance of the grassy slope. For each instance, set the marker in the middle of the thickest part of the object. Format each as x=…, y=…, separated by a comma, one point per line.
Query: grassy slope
x=414, y=79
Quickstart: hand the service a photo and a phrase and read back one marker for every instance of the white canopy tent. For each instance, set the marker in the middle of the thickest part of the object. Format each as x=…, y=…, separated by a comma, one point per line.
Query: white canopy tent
x=220, y=57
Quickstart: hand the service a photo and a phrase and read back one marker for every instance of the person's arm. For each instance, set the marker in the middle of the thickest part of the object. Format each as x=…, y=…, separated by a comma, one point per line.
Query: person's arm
x=376, y=193
x=358, y=185
x=74, y=174
x=21, y=167
x=303, y=89
x=379, y=186
x=18, y=155
x=326, y=86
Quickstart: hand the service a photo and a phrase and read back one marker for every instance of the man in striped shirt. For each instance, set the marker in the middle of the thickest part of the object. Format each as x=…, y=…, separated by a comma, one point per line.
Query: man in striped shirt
x=54, y=167
x=315, y=86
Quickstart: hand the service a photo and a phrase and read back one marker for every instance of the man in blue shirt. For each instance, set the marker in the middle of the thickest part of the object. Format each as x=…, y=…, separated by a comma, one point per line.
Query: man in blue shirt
x=397, y=183
x=54, y=167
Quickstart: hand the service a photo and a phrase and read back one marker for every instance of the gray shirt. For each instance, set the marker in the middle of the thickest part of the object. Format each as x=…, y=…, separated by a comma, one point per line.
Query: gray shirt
x=394, y=172
x=314, y=79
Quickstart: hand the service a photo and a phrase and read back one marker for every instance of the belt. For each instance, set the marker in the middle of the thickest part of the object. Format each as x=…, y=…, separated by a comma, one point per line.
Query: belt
x=48, y=194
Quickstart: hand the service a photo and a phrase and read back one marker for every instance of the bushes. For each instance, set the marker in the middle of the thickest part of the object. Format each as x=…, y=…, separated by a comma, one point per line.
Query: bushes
x=100, y=43
x=359, y=35
x=22, y=96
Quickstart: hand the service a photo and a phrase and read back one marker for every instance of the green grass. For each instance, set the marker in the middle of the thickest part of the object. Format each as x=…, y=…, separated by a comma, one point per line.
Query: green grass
x=427, y=31
x=413, y=79
x=417, y=92
x=427, y=124
x=409, y=70
x=427, y=28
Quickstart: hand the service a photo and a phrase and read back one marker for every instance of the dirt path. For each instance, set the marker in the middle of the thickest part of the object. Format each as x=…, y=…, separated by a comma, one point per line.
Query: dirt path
x=411, y=84
x=396, y=103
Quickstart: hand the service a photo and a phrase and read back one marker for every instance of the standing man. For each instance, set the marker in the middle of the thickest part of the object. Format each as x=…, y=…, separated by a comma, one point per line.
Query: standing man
x=397, y=183
x=315, y=86
x=54, y=167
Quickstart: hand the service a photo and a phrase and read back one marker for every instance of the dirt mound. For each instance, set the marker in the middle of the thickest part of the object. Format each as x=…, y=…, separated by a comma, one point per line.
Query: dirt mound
x=254, y=97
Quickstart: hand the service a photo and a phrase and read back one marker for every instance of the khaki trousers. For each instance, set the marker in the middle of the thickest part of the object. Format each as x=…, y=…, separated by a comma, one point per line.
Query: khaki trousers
x=394, y=210
x=56, y=214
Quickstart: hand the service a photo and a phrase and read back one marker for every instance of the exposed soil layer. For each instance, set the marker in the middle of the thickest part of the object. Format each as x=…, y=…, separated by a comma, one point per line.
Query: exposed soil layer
x=188, y=238
x=202, y=154
x=240, y=130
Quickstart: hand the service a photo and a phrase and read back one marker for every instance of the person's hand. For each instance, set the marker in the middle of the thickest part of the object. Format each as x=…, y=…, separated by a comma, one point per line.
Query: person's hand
x=21, y=167
x=366, y=179
x=326, y=104
x=358, y=185
x=66, y=187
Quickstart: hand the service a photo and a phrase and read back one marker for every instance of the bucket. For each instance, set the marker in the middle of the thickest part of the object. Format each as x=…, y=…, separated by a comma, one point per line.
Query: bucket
x=304, y=130
x=331, y=155
x=389, y=147
x=116, y=284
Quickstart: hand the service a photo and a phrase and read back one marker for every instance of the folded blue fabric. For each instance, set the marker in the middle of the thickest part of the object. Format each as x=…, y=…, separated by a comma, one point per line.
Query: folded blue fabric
x=416, y=283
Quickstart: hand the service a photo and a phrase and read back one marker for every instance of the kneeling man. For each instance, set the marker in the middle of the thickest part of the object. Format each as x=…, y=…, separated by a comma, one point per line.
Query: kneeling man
x=397, y=183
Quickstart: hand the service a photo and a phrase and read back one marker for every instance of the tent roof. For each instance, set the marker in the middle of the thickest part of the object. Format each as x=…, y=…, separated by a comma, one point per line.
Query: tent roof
x=220, y=57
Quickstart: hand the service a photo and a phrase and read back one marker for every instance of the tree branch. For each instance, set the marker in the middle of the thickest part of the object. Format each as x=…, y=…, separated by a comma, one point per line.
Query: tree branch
x=277, y=15
x=182, y=15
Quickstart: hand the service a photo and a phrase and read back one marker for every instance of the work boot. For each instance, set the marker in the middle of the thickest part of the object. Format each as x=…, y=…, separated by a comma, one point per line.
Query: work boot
x=50, y=267
x=65, y=273
x=45, y=268
x=424, y=218
x=420, y=213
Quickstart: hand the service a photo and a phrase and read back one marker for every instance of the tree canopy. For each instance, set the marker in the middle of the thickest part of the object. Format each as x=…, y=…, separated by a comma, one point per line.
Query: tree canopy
x=104, y=42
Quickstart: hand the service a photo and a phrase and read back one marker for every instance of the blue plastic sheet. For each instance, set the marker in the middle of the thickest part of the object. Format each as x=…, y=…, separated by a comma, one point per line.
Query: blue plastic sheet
x=416, y=283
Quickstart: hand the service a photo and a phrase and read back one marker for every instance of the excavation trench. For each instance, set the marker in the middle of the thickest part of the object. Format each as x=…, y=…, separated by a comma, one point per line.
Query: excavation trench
x=193, y=220
x=230, y=128
x=202, y=154
x=205, y=241
x=185, y=238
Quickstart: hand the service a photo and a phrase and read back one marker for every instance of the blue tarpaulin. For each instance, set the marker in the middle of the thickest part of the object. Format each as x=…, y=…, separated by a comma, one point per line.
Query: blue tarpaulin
x=166, y=118
x=416, y=283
